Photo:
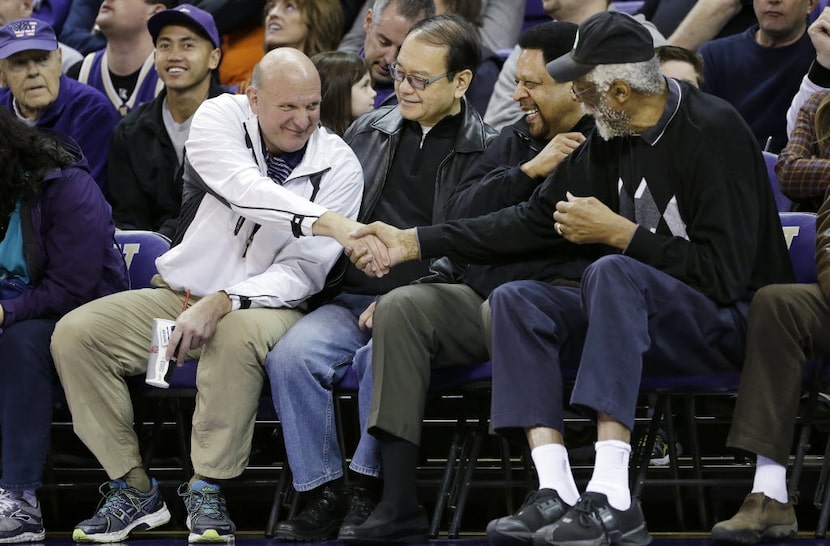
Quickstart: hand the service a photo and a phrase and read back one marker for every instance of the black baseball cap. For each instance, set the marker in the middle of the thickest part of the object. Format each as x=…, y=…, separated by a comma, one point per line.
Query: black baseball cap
x=609, y=37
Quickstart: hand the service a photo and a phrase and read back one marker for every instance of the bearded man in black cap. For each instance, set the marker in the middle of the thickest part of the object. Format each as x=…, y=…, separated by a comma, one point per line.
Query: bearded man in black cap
x=666, y=219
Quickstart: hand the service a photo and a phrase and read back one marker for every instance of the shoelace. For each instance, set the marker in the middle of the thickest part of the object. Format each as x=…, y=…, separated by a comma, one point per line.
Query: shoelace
x=8, y=503
x=321, y=505
x=116, y=499
x=360, y=505
x=587, y=511
x=208, y=503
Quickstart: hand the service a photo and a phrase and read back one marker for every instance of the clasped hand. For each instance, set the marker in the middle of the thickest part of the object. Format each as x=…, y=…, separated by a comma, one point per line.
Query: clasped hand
x=377, y=247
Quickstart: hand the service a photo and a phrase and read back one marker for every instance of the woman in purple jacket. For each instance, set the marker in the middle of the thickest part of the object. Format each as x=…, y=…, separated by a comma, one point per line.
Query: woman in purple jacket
x=56, y=252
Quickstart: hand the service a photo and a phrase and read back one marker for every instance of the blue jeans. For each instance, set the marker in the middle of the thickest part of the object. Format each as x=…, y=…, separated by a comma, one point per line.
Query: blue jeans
x=303, y=367
x=27, y=378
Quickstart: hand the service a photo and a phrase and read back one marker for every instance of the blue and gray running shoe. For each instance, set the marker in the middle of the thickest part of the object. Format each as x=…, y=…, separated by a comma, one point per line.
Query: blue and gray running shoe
x=207, y=514
x=123, y=509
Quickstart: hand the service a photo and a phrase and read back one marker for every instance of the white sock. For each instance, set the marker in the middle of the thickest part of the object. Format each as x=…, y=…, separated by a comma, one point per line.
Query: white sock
x=610, y=475
x=554, y=471
x=770, y=479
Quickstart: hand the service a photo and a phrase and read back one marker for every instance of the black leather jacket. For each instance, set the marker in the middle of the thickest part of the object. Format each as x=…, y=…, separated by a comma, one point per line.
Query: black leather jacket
x=374, y=138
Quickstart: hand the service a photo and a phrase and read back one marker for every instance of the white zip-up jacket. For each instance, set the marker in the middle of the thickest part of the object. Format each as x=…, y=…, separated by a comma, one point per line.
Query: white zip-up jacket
x=221, y=249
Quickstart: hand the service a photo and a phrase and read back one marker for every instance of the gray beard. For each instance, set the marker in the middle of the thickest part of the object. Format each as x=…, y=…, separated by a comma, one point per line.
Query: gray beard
x=610, y=123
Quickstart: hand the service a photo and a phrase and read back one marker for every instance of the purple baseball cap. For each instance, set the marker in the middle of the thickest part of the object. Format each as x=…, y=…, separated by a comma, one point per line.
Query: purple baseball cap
x=186, y=15
x=608, y=37
x=25, y=35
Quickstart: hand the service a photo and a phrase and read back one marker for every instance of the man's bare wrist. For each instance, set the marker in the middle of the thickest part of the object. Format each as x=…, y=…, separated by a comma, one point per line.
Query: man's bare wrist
x=411, y=247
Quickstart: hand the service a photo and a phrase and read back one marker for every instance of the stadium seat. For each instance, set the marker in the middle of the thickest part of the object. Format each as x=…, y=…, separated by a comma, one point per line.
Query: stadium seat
x=140, y=250
x=782, y=202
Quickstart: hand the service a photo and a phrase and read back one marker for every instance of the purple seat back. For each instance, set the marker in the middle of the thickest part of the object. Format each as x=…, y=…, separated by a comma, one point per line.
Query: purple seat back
x=800, y=234
x=782, y=202
x=140, y=250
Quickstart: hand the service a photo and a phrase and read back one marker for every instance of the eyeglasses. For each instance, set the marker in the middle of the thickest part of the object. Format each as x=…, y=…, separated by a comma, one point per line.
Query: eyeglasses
x=577, y=95
x=415, y=81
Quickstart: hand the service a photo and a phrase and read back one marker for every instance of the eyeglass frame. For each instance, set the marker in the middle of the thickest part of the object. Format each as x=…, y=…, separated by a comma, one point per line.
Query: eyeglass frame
x=577, y=95
x=412, y=80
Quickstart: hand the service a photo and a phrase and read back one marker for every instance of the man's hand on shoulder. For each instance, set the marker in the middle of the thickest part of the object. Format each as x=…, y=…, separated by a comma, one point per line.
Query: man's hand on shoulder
x=546, y=161
x=196, y=325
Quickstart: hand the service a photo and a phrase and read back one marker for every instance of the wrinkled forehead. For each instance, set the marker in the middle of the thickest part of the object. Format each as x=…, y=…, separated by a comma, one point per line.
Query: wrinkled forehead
x=30, y=55
x=291, y=90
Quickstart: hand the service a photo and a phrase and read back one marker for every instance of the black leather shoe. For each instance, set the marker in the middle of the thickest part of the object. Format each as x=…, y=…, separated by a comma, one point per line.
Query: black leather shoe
x=408, y=528
x=360, y=507
x=320, y=520
x=540, y=508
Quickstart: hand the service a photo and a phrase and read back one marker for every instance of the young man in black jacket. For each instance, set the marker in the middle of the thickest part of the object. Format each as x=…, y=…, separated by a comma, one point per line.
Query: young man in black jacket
x=666, y=217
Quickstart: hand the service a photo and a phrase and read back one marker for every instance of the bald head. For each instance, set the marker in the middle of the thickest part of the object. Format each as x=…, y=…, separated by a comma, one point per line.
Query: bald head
x=285, y=96
x=284, y=63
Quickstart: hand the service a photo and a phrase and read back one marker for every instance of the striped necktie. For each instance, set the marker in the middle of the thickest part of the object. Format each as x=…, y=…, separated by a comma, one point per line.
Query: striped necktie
x=278, y=169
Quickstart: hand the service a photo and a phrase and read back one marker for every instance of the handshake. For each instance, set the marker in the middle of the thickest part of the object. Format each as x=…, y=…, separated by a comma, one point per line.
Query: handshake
x=374, y=248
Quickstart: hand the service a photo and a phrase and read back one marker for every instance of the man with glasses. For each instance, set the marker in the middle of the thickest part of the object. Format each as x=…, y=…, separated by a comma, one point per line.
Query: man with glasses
x=413, y=155
x=666, y=216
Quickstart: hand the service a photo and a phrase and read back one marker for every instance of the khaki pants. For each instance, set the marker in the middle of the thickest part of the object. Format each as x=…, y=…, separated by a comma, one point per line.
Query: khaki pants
x=99, y=344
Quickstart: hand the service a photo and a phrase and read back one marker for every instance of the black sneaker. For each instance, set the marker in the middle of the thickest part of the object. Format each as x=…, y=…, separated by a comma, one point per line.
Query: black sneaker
x=540, y=508
x=320, y=520
x=360, y=507
x=594, y=522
